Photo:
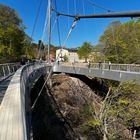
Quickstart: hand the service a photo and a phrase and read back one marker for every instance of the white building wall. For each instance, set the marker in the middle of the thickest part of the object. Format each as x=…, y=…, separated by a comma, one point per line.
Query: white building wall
x=61, y=53
x=72, y=56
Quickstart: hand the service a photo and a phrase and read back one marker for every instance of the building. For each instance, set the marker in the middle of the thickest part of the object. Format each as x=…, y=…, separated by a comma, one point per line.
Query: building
x=61, y=53
x=70, y=54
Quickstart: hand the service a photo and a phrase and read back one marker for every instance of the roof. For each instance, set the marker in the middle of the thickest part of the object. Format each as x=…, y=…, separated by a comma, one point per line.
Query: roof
x=70, y=49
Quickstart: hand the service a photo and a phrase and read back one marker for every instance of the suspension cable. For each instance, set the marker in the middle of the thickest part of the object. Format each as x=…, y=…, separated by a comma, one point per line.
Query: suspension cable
x=75, y=7
x=45, y=30
x=35, y=22
x=98, y=6
x=43, y=35
x=36, y=18
x=68, y=12
x=58, y=28
x=32, y=107
x=83, y=6
x=72, y=27
x=45, y=25
x=76, y=18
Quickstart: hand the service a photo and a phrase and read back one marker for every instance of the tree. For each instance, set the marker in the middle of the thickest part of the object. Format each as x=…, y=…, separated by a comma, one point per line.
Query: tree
x=12, y=35
x=85, y=50
x=97, y=54
x=66, y=59
x=8, y=17
x=120, y=110
x=117, y=116
x=120, y=39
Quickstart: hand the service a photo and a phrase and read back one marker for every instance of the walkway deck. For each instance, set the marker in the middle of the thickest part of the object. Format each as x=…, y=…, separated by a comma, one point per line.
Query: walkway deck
x=117, y=72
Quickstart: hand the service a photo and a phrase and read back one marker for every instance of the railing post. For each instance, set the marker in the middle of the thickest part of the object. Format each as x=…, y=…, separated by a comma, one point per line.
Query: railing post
x=13, y=68
x=17, y=66
x=9, y=69
x=3, y=71
x=128, y=68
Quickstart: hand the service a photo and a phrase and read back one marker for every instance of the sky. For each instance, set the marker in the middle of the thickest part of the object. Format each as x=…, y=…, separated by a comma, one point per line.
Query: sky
x=85, y=30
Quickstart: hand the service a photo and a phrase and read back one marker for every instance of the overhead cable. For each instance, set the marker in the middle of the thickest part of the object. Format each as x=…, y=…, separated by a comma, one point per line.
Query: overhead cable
x=58, y=28
x=75, y=7
x=98, y=6
x=43, y=35
x=68, y=12
x=72, y=27
x=36, y=18
x=51, y=70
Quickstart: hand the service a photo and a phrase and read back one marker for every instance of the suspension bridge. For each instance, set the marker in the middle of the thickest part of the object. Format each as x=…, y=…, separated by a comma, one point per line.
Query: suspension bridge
x=14, y=107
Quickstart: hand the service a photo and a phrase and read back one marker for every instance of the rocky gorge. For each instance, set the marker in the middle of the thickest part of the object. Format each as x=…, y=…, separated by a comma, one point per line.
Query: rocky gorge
x=73, y=108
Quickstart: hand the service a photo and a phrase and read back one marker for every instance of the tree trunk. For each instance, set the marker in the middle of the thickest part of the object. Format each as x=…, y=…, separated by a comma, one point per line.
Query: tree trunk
x=134, y=135
x=105, y=130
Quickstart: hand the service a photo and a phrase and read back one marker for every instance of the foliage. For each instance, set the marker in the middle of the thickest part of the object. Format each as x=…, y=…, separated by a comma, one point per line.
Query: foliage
x=90, y=125
x=118, y=115
x=8, y=17
x=87, y=112
x=85, y=50
x=120, y=39
x=28, y=52
x=12, y=35
x=122, y=110
x=91, y=128
x=65, y=58
x=97, y=57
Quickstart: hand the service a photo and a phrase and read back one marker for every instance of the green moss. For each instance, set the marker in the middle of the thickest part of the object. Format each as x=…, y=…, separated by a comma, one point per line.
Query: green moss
x=123, y=102
x=91, y=124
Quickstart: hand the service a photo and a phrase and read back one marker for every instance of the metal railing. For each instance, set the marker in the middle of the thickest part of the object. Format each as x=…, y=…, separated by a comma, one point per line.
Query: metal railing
x=106, y=66
x=8, y=68
x=14, y=108
x=117, y=72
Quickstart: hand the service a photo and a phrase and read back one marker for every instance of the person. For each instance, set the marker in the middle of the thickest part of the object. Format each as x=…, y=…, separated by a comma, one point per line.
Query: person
x=100, y=64
x=88, y=64
x=22, y=61
x=58, y=62
x=109, y=65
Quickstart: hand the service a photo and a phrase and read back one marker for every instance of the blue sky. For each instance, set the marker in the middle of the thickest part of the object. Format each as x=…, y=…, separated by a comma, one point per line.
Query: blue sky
x=86, y=29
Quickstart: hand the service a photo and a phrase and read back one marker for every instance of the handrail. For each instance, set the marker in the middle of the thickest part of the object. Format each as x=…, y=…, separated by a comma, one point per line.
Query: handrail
x=13, y=124
x=106, y=66
x=10, y=63
x=8, y=68
x=106, y=71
